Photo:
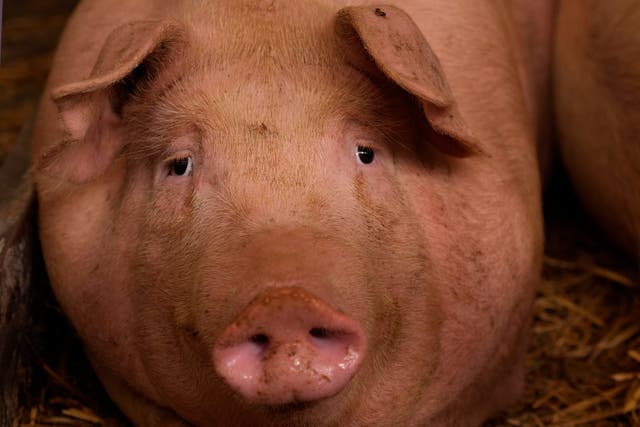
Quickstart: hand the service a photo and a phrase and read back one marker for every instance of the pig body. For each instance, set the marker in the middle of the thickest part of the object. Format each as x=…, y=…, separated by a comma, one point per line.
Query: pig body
x=597, y=103
x=211, y=174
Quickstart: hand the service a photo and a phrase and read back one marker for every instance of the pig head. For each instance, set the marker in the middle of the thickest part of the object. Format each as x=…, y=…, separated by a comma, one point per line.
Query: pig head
x=287, y=225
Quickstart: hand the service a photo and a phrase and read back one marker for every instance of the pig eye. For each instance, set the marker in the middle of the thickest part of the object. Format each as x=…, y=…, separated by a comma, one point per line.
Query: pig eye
x=181, y=166
x=365, y=154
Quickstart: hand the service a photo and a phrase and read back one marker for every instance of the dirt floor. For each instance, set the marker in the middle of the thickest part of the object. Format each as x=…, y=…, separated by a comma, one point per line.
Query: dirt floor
x=584, y=361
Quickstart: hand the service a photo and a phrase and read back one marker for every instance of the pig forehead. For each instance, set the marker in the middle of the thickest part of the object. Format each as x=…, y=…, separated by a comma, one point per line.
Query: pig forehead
x=274, y=60
x=274, y=88
x=289, y=110
x=301, y=100
x=263, y=32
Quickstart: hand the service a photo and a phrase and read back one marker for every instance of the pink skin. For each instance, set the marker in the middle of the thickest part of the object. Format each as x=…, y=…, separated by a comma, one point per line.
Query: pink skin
x=533, y=33
x=426, y=263
x=289, y=346
x=596, y=74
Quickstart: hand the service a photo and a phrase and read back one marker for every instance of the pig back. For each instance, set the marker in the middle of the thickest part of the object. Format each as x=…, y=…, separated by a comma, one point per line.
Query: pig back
x=596, y=79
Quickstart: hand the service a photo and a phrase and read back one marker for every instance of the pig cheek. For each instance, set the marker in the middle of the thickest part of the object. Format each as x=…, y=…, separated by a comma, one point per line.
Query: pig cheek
x=144, y=299
x=168, y=257
x=481, y=254
x=407, y=309
x=88, y=278
x=390, y=234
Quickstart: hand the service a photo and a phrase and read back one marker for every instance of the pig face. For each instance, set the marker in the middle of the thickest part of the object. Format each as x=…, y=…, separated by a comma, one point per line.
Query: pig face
x=284, y=233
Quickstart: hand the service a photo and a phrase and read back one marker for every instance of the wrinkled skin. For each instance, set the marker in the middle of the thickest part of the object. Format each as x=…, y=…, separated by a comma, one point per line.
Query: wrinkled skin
x=597, y=103
x=434, y=248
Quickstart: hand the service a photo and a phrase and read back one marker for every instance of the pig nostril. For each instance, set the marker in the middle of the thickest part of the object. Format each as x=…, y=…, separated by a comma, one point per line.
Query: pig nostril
x=288, y=346
x=320, y=333
x=260, y=339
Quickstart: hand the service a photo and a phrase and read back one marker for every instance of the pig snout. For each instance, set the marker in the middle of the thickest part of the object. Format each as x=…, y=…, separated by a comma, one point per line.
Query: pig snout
x=289, y=346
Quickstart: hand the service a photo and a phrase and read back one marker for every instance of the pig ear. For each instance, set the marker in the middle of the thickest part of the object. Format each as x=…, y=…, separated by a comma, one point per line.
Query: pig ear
x=131, y=62
x=384, y=41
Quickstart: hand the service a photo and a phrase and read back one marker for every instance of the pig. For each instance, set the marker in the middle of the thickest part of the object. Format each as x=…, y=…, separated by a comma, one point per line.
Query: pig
x=596, y=79
x=305, y=213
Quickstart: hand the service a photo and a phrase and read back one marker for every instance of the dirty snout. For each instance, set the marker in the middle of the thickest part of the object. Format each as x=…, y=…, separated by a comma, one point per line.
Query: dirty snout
x=289, y=346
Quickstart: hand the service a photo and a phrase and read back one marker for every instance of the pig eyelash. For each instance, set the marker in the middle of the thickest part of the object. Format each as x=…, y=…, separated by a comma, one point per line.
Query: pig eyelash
x=365, y=154
x=180, y=166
